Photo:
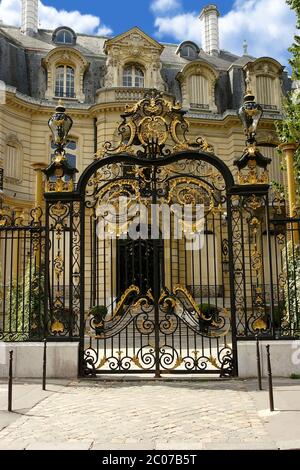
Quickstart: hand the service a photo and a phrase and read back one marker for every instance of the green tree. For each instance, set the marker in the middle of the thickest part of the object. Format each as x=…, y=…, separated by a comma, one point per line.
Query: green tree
x=25, y=306
x=289, y=128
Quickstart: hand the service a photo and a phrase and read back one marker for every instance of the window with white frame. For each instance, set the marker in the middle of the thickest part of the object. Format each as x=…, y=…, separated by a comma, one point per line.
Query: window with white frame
x=64, y=37
x=133, y=76
x=65, y=81
x=13, y=162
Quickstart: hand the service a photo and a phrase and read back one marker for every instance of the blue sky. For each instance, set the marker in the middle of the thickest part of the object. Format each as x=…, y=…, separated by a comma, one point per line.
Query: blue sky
x=267, y=25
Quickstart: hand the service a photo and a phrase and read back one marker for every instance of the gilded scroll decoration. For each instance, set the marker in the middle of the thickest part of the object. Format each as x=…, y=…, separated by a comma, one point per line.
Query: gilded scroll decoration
x=149, y=127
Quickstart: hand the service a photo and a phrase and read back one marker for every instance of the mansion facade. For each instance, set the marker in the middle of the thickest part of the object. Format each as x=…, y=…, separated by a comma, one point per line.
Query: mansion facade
x=97, y=76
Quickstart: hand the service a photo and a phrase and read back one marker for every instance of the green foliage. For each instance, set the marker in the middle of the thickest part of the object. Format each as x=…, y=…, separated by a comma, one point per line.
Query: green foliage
x=99, y=311
x=292, y=286
x=289, y=129
x=25, y=306
x=208, y=310
x=294, y=376
x=295, y=48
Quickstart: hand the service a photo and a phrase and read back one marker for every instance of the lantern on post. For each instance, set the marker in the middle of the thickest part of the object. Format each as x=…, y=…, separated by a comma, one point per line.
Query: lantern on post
x=252, y=159
x=60, y=175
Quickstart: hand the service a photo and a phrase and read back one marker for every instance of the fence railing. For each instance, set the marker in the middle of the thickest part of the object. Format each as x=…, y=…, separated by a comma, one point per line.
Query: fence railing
x=22, y=283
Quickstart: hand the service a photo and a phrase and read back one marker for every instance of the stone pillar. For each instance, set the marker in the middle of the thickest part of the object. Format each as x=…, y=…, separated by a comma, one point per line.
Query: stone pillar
x=39, y=189
x=288, y=150
x=30, y=17
x=209, y=18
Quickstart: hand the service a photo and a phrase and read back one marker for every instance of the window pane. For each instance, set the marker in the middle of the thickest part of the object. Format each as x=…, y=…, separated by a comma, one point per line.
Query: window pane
x=127, y=76
x=199, y=92
x=71, y=145
x=64, y=37
x=70, y=85
x=139, y=77
x=59, y=81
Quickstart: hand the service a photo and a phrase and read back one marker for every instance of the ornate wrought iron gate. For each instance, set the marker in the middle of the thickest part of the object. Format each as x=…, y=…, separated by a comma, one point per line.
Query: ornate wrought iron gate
x=147, y=241
x=156, y=262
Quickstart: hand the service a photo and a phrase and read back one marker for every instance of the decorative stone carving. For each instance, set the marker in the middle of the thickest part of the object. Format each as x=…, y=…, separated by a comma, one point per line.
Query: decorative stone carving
x=208, y=72
x=65, y=56
x=138, y=48
x=271, y=70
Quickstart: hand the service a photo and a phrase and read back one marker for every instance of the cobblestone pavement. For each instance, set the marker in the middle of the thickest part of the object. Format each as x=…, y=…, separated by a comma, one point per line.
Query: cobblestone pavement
x=142, y=414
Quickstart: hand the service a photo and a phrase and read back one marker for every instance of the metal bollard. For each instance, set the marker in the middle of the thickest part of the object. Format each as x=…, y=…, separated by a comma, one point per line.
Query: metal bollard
x=10, y=380
x=271, y=396
x=258, y=364
x=44, y=364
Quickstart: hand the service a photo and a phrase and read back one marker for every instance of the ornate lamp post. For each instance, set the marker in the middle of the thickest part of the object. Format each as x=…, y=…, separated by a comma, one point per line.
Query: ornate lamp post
x=250, y=114
x=60, y=175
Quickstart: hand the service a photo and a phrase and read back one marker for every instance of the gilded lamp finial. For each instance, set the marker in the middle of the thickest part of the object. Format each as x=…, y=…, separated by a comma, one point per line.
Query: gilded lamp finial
x=60, y=175
x=250, y=114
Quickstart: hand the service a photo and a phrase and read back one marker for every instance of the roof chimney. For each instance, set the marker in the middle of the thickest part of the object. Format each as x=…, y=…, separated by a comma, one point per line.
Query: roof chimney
x=209, y=17
x=30, y=17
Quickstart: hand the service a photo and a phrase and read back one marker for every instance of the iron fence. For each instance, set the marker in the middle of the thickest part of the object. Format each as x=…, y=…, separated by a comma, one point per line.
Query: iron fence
x=22, y=277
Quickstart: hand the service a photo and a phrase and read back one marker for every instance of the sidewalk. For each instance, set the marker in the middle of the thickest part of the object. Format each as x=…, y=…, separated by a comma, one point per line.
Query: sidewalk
x=141, y=414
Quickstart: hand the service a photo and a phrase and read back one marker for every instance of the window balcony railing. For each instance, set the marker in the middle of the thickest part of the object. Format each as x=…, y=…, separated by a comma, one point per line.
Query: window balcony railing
x=269, y=107
x=199, y=106
x=120, y=94
x=60, y=94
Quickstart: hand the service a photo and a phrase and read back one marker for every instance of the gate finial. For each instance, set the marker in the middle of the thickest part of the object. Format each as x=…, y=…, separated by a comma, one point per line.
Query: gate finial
x=60, y=175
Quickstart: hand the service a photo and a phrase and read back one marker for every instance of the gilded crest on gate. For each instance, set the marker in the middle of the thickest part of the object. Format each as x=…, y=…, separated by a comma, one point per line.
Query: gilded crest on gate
x=153, y=127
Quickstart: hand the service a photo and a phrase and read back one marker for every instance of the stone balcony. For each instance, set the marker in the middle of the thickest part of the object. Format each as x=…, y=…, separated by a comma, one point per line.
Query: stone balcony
x=119, y=95
x=123, y=95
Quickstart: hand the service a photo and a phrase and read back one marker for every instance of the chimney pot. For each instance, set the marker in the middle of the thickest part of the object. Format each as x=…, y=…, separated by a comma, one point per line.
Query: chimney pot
x=30, y=17
x=209, y=18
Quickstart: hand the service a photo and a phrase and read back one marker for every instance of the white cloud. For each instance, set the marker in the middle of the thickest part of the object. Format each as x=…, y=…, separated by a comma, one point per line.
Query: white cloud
x=267, y=25
x=161, y=6
x=51, y=18
x=180, y=27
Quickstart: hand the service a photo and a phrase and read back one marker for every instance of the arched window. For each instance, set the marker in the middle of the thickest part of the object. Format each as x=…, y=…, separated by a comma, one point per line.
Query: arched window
x=64, y=35
x=199, y=92
x=133, y=76
x=65, y=82
x=188, y=50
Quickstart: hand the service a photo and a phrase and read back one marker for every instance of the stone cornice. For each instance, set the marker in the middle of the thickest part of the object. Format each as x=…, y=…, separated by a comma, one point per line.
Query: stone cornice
x=34, y=106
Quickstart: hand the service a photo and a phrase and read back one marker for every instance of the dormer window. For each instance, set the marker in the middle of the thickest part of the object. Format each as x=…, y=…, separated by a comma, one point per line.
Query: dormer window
x=65, y=73
x=188, y=50
x=64, y=36
x=265, y=77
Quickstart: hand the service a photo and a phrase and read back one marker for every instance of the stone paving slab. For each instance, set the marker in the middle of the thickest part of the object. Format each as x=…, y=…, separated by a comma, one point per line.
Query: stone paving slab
x=179, y=415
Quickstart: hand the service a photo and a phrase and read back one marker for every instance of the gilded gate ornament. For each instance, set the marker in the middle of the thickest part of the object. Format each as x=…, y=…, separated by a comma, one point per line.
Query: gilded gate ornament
x=153, y=127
